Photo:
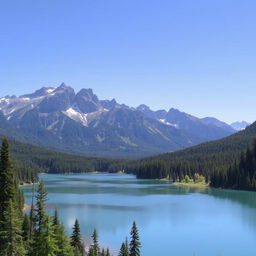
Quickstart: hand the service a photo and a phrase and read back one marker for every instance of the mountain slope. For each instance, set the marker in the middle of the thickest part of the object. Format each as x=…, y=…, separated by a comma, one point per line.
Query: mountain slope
x=204, y=158
x=207, y=128
x=81, y=123
x=232, y=144
x=218, y=123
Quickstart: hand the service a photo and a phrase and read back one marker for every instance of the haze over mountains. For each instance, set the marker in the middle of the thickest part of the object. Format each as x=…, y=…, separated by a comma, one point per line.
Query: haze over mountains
x=58, y=118
x=239, y=126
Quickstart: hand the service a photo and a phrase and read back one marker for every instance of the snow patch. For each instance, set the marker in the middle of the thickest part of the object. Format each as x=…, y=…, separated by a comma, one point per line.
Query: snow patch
x=167, y=123
x=26, y=99
x=5, y=100
x=50, y=90
x=76, y=116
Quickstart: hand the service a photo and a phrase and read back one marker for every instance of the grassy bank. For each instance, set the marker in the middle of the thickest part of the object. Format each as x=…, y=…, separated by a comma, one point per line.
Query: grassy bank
x=191, y=184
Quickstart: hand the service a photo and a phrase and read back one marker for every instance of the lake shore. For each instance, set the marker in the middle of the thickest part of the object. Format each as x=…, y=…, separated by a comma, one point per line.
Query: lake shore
x=28, y=184
x=191, y=184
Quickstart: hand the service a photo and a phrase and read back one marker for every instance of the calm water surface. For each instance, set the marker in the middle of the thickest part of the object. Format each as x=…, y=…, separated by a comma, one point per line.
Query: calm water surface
x=173, y=221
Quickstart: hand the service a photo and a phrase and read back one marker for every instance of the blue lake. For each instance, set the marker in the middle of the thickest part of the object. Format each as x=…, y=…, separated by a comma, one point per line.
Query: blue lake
x=172, y=220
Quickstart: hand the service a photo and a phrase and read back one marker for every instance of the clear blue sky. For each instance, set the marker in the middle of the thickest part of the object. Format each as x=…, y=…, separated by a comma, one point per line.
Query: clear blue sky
x=195, y=55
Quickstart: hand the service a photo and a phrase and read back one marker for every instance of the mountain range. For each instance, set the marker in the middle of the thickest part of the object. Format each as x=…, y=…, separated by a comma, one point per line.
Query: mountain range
x=239, y=126
x=80, y=123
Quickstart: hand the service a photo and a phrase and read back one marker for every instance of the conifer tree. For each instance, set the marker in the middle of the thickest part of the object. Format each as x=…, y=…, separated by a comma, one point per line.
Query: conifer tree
x=7, y=185
x=76, y=240
x=55, y=221
x=124, y=251
x=41, y=198
x=96, y=247
x=32, y=221
x=62, y=242
x=47, y=245
x=44, y=242
x=26, y=232
x=11, y=232
x=91, y=252
x=135, y=241
x=10, y=212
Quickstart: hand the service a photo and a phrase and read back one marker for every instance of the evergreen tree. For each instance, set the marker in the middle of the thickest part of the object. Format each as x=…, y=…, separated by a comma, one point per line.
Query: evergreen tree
x=62, y=242
x=7, y=184
x=91, y=252
x=10, y=211
x=11, y=232
x=241, y=175
x=55, y=221
x=96, y=247
x=41, y=198
x=26, y=231
x=135, y=241
x=32, y=220
x=124, y=251
x=44, y=242
x=76, y=240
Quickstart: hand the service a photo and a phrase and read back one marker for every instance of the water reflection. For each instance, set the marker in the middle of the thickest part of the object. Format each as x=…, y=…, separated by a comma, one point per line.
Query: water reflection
x=168, y=216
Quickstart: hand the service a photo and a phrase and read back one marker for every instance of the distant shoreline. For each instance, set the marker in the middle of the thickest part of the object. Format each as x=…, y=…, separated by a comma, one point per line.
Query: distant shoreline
x=201, y=185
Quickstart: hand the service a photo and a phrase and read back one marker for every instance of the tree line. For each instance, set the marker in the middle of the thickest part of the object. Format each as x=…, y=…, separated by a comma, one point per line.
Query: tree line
x=238, y=172
x=210, y=159
x=30, y=160
x=38, y=233
x=240, y=175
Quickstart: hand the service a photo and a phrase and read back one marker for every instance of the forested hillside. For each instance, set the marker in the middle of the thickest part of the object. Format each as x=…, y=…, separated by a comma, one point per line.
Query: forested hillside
x=29, y=160
x=203, y=159
x=240, y=175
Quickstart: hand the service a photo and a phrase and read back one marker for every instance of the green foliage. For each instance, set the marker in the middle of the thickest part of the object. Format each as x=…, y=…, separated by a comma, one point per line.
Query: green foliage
x=41, y=198
x=40, y=234
x=11, y=242
x=240, y=175
x=44, y=242
x=187, y=179
x=204, y=159
x=76, y=240
x=95, y=246
x=62, y=242
x=11, y=232
x=7, y=182
x=30, y=160
x=135, y=241
x=124, y=250
x=26, y=232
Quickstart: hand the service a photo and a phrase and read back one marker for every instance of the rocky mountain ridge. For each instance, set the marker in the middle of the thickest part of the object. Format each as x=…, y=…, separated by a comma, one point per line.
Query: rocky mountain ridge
x=81, y=123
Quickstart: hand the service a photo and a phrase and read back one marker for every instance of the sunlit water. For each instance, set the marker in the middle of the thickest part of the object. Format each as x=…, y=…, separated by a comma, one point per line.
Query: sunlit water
x=172, y=221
